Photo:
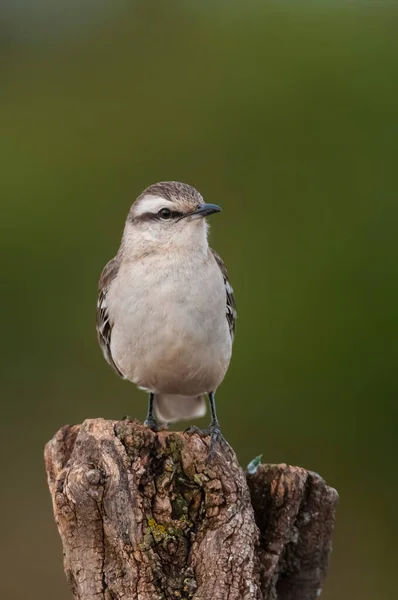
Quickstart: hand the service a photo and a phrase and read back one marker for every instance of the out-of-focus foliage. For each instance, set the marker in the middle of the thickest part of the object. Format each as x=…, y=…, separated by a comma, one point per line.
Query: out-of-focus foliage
x=286, y=115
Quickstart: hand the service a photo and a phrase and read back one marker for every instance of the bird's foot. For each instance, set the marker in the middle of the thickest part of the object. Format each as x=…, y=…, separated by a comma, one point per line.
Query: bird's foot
x=194, y=429
x=216, y=436
x=213, y=431
x=153, y=425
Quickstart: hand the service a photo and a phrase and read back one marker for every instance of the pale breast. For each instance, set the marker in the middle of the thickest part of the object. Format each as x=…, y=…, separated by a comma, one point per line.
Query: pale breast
x=170, y=332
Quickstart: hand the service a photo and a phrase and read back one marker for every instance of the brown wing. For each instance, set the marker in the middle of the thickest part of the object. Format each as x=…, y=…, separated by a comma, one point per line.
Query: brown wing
x=230, y=305
x=104, y=322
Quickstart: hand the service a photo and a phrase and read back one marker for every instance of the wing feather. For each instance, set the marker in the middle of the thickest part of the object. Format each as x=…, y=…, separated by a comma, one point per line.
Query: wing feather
x=104, y=322
x=230, y=298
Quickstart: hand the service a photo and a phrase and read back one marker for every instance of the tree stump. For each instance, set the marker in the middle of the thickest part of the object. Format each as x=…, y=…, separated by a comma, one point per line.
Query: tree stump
x=145, y=516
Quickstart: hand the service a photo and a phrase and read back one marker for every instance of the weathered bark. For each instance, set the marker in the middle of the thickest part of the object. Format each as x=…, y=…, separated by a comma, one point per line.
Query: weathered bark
x=145, y=516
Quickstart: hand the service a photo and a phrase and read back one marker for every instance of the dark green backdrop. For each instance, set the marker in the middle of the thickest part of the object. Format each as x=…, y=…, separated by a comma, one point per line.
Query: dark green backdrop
x=286, y=115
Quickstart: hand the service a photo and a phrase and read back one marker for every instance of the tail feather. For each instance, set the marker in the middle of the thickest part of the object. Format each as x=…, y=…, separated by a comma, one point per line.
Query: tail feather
x=170, y=408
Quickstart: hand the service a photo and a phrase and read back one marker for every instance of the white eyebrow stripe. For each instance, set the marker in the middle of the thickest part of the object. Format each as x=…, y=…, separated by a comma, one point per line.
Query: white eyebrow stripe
x=151, y=204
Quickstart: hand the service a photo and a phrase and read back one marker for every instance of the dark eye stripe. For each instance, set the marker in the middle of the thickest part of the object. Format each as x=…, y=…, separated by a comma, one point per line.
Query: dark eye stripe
x=149, y=216
x=175, y=214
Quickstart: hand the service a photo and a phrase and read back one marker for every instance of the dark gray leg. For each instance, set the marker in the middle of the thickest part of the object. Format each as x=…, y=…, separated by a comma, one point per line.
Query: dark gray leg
x=212, y=401
x=150, y=420
x=214, y=428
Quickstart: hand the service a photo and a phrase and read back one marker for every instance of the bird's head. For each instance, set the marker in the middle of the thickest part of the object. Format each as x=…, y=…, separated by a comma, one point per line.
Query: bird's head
x=168, y=215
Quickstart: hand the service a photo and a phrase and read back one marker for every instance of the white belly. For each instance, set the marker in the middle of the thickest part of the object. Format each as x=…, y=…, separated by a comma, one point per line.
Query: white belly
x=170, y=333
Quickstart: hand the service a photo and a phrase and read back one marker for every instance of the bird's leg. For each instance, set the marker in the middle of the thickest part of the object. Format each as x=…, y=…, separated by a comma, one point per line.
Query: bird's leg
x=150, y=420
x=214, y=428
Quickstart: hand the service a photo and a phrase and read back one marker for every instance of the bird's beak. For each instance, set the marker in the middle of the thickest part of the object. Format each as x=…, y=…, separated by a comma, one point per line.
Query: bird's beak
x=204, y=210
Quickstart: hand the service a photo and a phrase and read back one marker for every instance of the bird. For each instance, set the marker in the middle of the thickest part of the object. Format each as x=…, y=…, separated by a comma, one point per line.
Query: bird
x=166, y=310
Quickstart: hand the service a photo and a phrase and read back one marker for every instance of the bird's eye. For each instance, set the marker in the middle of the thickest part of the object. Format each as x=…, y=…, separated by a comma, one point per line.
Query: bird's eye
x=165, y=213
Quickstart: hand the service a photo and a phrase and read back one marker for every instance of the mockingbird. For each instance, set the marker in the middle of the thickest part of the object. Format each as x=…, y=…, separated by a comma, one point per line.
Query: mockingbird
x=166, y=310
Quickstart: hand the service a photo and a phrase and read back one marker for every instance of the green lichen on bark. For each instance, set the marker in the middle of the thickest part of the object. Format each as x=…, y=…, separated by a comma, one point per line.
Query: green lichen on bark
x=173, y=501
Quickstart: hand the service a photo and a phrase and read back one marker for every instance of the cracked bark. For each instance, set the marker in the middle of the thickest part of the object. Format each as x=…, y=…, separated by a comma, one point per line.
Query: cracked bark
x=143, y=516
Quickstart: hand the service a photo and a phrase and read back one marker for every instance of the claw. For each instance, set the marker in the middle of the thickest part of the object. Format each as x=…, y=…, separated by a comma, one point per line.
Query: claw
x=194, y=429
x=153, y=425
x=216, y=436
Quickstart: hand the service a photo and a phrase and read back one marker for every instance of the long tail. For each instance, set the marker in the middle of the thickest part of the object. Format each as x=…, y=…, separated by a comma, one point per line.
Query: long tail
x=170, y=408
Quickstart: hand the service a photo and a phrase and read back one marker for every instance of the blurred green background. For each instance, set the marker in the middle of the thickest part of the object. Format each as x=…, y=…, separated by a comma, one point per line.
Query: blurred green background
x=286, y=114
